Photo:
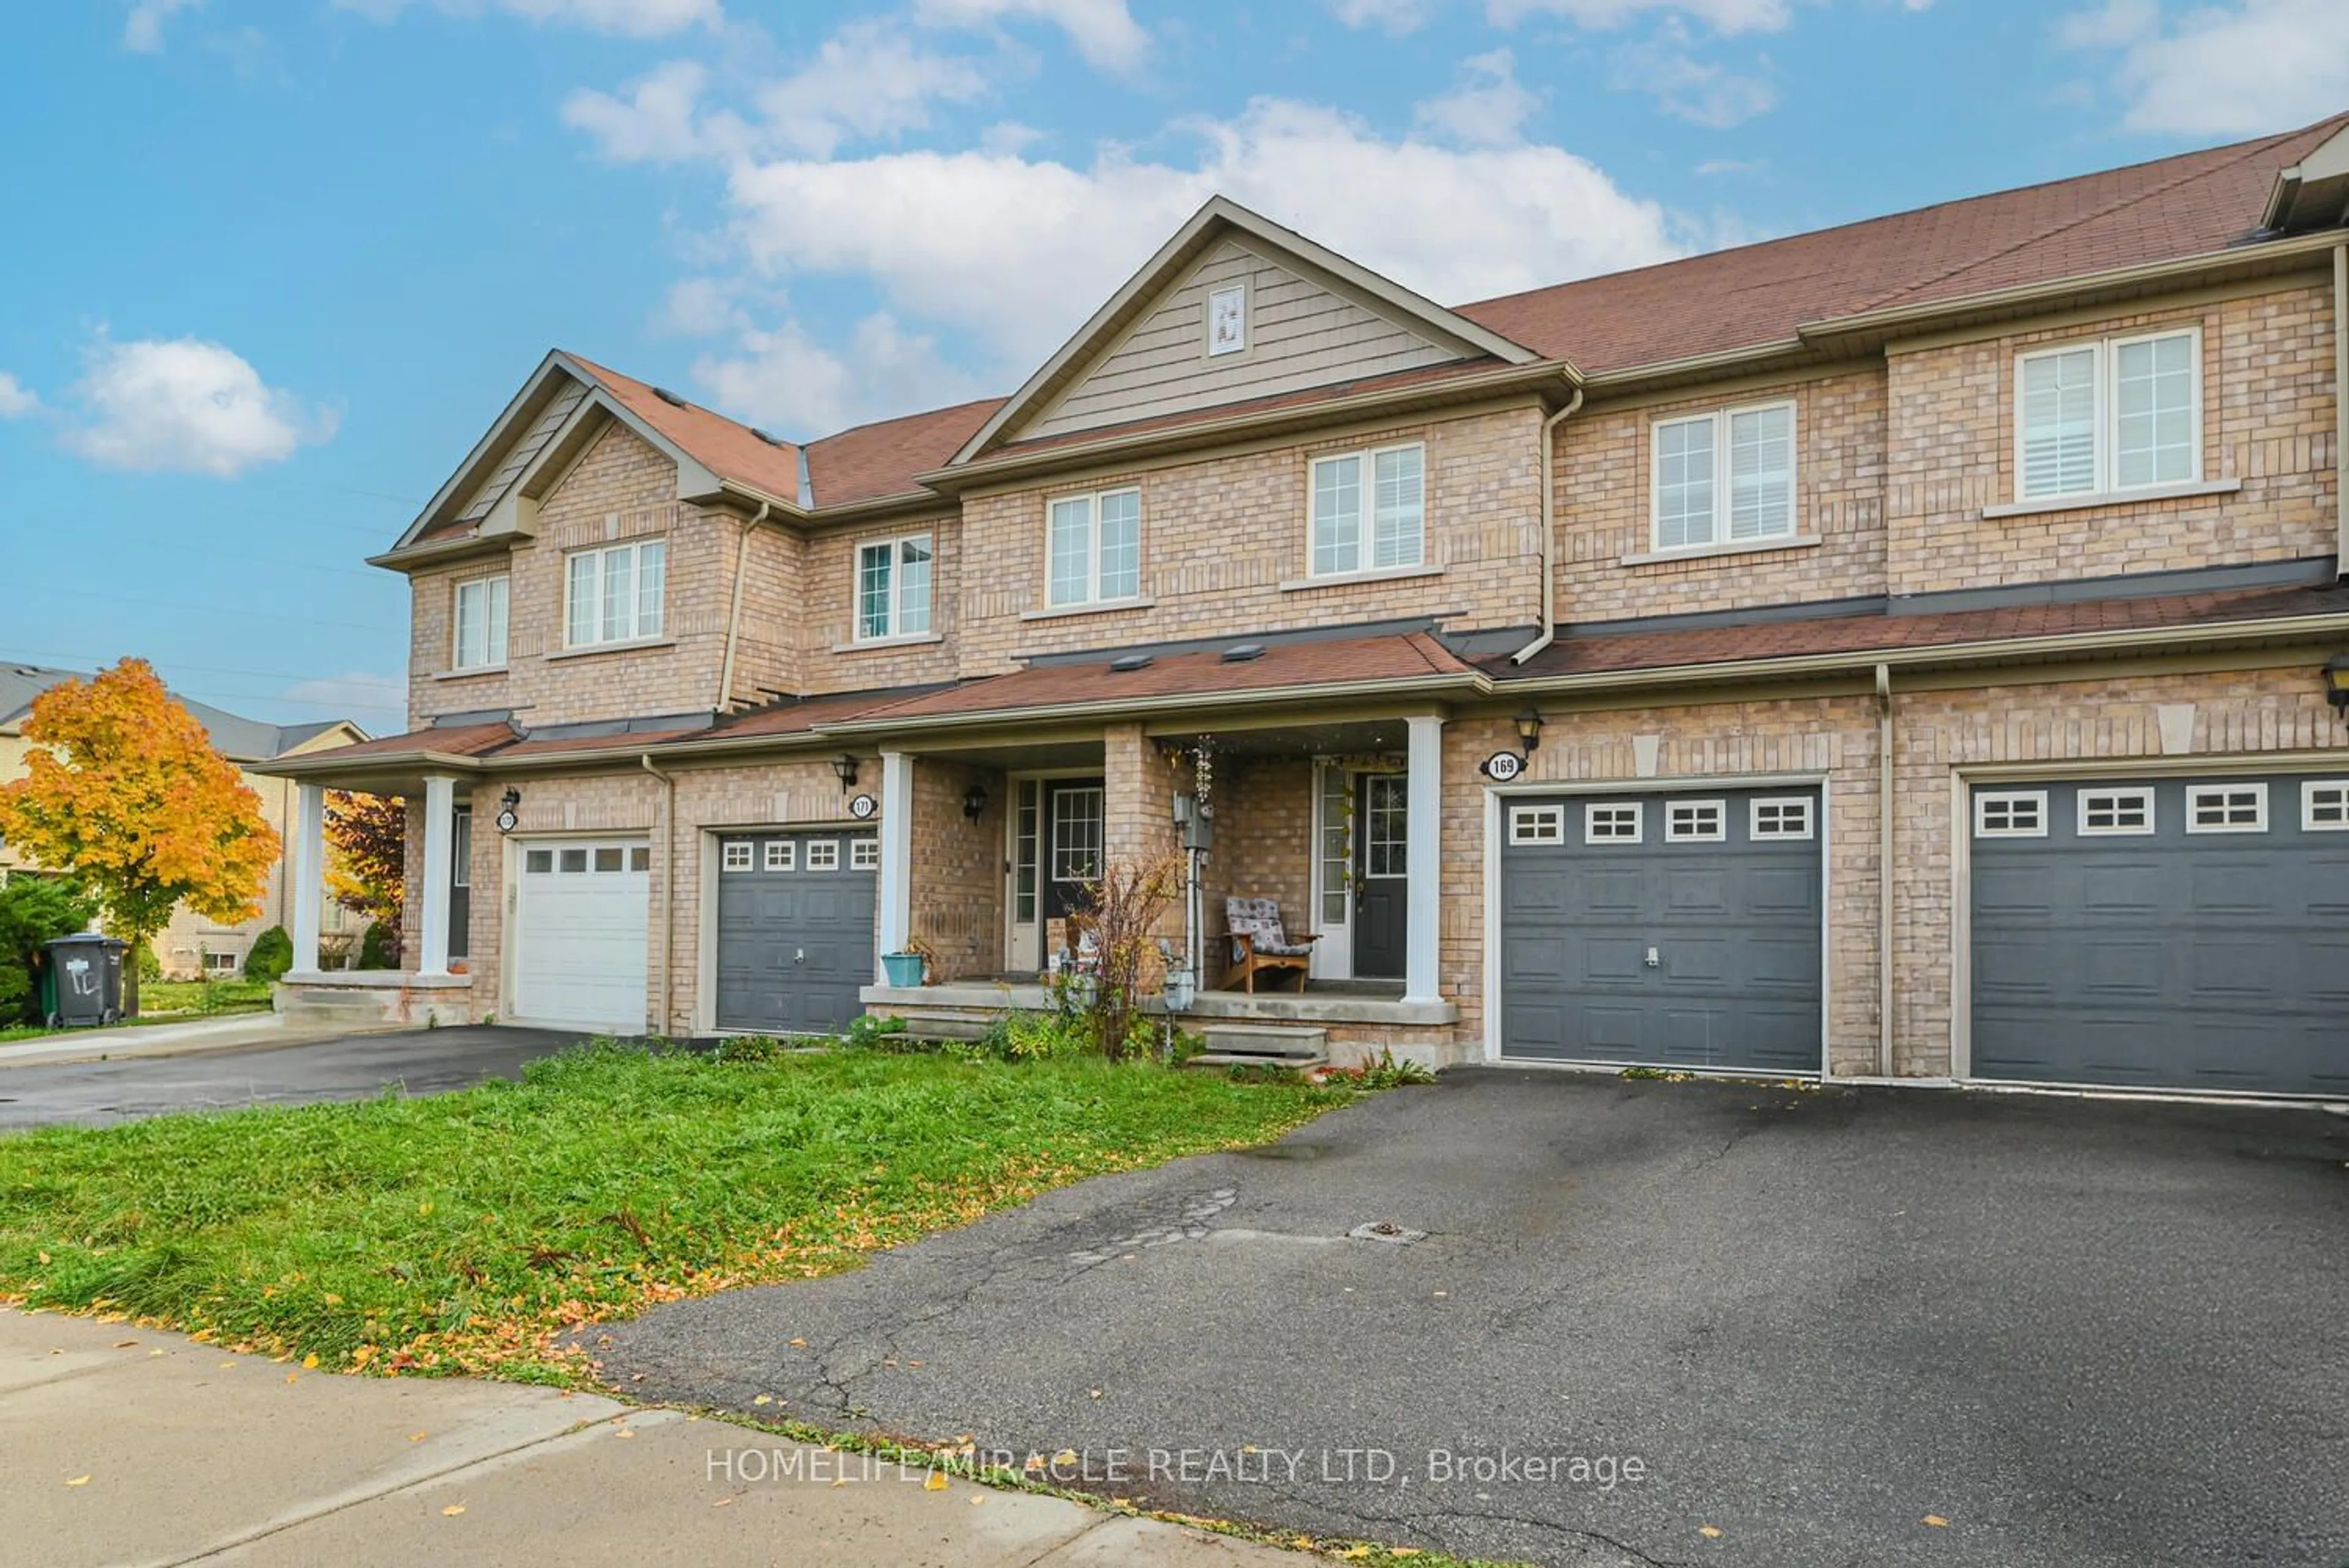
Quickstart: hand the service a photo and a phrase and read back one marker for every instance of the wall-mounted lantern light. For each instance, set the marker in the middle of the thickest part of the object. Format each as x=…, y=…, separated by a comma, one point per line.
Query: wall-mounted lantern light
x=844, y=767
x=974, y=801
x=1529, y=726
x=2336, y=683
x=509, y=810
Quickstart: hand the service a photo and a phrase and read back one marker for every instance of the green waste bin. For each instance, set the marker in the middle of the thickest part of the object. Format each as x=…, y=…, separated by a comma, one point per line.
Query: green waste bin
x=81, y=983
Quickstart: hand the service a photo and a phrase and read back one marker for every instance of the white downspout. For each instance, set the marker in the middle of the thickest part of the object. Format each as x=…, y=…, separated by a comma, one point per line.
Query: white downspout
x=1548, y=532
x=1884, y=870
x=2341, y=406
x=668, y=884
x=734, y=615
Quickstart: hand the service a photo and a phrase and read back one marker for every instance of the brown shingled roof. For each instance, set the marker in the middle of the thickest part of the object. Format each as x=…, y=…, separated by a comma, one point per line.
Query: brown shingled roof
x=729, y=450
x=1329, y=662
x=448, y=740
x=1693, y=647
x=874, y=462
x=2173, y=207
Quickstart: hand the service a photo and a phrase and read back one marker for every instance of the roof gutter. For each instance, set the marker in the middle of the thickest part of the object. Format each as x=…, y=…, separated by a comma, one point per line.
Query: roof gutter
x=2311, y=626
x=1473, y=682
x=1548, y=466
x=1176, y=438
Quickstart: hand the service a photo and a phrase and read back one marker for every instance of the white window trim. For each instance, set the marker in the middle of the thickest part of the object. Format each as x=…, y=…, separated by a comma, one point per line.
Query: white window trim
x=638, y=636
x=864, y=855
x=497, y=654
x=1982, y=799
x=1720, y=544
x=2142, y=793
x=2195, y=792
x=1537, y=824
x=830, y=847
x=897, y=544
x=1673, y=834
x=1639, y=833
x=1241, y=345
x=1802, y=802
x=1093, y=599
x=2107, y=488
x=2308, y=788
x=728, y=861
x=780, y=855
x=1366, y=540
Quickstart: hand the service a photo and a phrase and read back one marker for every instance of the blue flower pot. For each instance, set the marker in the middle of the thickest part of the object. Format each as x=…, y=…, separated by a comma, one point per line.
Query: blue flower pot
x=903, y=969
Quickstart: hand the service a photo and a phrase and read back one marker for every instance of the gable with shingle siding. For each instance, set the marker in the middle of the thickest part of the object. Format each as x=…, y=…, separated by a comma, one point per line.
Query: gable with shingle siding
x=1301, y=334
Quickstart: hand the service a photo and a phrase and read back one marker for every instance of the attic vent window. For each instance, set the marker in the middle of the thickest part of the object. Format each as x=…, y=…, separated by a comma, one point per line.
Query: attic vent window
x=1243, y=653
x=1228, y=320
x=1130, y=663
x=666, y=396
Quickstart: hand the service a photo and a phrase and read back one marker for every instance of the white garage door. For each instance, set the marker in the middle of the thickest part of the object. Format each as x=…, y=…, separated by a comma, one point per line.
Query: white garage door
x=580, y=934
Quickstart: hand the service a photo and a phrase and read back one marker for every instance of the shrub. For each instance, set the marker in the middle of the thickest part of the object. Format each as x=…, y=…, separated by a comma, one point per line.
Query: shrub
x=272, y=955
x=34, y=911
x=149, y=967
x=379, y=948
x=1034, y=1037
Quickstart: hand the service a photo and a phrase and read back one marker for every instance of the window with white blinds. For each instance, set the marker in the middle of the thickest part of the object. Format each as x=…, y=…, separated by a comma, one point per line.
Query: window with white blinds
x=1724, y=478
x=2115, y=414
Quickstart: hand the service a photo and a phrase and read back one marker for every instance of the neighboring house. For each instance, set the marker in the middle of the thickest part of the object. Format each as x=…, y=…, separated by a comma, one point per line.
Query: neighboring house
x=193, y=945
x=1896, y=651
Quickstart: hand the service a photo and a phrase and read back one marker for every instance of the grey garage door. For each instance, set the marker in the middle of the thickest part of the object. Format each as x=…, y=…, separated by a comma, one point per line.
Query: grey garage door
x=1675, y=930
x=2171, y=933
x=794, y=930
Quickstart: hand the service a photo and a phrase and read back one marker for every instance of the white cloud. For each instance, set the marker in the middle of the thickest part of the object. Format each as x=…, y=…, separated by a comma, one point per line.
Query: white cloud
x=186, y=406
x=1103, y=31
x=1018, y=251
x=654, y=123
x=366, y=698
x=783, y=379
x=1712, y=168
x=1490, y=107
x=632, y=18
x=1721, y=15
x=1396, y=17
x=697, y=307
x=2226, y=70
x=1685, y=87
x=16, y=398
x=142, y=30
x=866, y=80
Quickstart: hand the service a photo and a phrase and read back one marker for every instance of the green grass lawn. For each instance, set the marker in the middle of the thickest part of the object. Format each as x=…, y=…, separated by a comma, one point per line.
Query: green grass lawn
x=200, y=995
x=461, y=1232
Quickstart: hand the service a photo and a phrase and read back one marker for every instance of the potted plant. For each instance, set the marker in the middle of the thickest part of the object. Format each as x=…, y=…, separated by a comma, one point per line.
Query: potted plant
x=910, y=967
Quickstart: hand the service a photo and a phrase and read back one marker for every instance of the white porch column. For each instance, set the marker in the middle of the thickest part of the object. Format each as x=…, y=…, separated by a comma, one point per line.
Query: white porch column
x=1424, y=859
x=305, y=869
x=440, y=833
x=897, y=854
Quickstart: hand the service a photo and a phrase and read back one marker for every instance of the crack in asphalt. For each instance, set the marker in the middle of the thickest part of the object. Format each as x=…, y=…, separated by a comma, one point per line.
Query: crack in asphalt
x=1431, y=1524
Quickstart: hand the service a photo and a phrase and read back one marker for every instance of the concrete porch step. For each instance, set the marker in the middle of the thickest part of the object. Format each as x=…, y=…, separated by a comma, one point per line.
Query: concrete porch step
x=1267, y=1043
x=1299, y=1066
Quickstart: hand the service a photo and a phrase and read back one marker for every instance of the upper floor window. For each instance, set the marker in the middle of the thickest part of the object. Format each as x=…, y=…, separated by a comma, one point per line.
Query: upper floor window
x=616, y=594
x=481, y=623
x=893, y=588
x=1389, y=485
x=1096, y=547
x=1724, y=478
x=2119, y=413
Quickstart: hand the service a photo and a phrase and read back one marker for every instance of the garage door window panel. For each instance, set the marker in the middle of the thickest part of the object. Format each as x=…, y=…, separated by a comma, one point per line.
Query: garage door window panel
x=1779, y=816
x=2011, y=814
x=2116, y=812
x=538, y=862
x=572, y=862
x=2324, y=805
x=823, y=855
x=780, y=854
x=1537, y=824
x=737, y=856
x=1696, y=821
x=2227, y=808
x=1614, y=822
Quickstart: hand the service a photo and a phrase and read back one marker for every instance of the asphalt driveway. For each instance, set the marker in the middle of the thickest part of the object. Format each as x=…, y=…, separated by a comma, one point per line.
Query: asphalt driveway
x=2081, y=1333
x=421, y=1060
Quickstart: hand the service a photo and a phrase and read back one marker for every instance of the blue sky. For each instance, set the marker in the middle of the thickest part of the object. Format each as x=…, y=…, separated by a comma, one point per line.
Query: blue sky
x=270, y=267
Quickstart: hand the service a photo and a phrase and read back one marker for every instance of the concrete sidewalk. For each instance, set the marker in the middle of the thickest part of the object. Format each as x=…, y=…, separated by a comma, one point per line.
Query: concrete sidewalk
x=231, y=1032
x=128, y=1445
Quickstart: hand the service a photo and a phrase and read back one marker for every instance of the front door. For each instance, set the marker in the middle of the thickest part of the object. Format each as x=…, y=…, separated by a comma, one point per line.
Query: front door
x=1074, y=827
x=1381, y=881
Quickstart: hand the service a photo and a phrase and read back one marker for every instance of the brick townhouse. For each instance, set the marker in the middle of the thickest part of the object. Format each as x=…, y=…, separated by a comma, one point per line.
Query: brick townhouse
x=1911, y=650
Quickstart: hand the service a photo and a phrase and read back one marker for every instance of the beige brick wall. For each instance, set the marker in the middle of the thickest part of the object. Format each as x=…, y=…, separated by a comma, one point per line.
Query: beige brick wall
x=621, y=490
x=824, y=616
x=958, y=879
x=1220, y=535
x=1264, y=847
x=1604, y=460
x=2267, y=420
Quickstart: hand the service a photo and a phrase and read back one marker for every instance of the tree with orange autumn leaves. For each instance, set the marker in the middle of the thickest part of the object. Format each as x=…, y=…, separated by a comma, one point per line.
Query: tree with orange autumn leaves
x=125, y=790
x=366, y=869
